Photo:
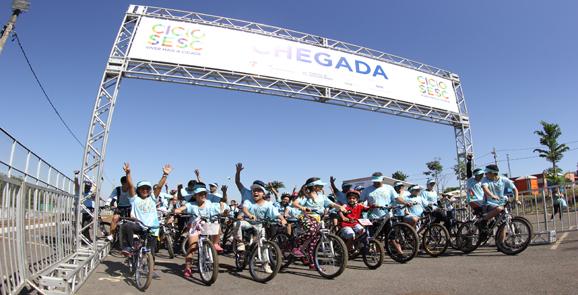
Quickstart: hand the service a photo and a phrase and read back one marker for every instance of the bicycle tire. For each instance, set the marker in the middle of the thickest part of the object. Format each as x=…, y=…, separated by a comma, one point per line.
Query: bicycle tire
x=469, y=237
x=282, y=240
x=341, y=247
x=453, y=231
x=275, y=257
x=378, y=249
x=208, y=252
x=148, y=267
x=440, y=234
x=407, y=237
x=501, y=245
x=184, y=246
x=169, y=245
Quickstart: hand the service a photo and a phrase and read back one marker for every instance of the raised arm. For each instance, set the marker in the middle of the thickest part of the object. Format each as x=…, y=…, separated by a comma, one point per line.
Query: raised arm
x=224, y=190
x=274, y=192
x=469, y=158
x=239, y=168
x=198, y=175
x=166, y=171
x=333, y=187
x=131, y=190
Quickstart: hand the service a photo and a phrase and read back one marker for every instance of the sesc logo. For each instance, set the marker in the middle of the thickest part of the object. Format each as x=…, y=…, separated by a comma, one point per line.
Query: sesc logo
x=432, y=87
x=176, y=37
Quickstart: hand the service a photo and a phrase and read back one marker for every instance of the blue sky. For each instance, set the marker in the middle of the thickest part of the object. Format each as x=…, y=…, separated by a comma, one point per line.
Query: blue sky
x=517, y=61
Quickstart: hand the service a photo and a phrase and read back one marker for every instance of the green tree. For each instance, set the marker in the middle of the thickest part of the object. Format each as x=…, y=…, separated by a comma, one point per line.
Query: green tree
x=553, y=151
x=434, y=170
x=399, y=175
x=274, y=184
x=460, y=171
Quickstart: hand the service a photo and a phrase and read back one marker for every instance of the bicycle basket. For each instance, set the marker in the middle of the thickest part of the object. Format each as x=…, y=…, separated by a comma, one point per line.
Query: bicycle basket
x=210, y=229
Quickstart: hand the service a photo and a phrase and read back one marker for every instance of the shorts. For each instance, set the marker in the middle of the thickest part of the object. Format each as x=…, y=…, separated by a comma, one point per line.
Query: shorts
x=478, y=203
x=123, y=211
x=348, y=232
x=409, y=218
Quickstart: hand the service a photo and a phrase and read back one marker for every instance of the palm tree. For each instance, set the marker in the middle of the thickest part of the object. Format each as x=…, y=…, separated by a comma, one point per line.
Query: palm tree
x=554, y=151
x=274, y=185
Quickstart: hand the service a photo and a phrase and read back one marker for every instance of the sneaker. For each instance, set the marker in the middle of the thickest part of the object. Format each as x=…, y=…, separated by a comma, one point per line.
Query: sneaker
x=267, y=268
x=110, y=238
x=312, y=266
x=188, y=273
x=126, y=252
x=297, y=252
x=241, y=247
x=218, y=248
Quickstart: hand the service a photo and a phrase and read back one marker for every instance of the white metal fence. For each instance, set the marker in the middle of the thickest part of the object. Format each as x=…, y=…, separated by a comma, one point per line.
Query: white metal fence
x=37, y=216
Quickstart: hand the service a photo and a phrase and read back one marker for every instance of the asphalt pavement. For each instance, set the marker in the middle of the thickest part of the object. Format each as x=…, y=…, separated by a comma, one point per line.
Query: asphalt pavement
x=545, y=269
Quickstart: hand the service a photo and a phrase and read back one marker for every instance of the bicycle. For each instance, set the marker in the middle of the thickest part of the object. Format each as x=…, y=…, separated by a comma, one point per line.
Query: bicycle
x=208, y=261
x=263, y=256
x=167, y=232
x=392, y=231
x=370, y=249
x=330, y=253
x=140, y=261
x=515, y=230
x=435, y=237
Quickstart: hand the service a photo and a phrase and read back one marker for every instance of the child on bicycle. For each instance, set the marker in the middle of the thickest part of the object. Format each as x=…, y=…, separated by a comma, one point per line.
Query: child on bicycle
x=350, y=226
x=205, y=209
x=418, y=204
x=312, y=203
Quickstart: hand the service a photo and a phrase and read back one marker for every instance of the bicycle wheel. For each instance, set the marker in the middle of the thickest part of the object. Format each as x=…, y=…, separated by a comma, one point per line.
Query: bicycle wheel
x=208, y=263
x=468, y=238
x=330, y=256
x=404, y=236
x=144, y=271
x=169, y=245
x=184, y=246
x=265, y=262
x=282, y=240
x=435, y=240
x=373, y=254
x=516, y=234
x=453, y=231
x=240, y=260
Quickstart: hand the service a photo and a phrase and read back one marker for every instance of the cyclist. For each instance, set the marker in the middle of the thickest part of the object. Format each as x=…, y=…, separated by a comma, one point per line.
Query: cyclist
x=311, y=202
x=259, y=210
x=494, y=187
x=418, y=204
x=257, y=192
x=120, y=200
x=475, y=193
x=201, y=207
x=378, y=195
x=350, y=226
x=340, y=195
x=187, y=192
x=143, y=209
x=430, y=195
x=246, y=194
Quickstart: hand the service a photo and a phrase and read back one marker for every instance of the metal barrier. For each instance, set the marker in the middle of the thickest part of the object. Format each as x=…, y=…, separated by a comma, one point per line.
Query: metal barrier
x=538, y=207
x=37, y=214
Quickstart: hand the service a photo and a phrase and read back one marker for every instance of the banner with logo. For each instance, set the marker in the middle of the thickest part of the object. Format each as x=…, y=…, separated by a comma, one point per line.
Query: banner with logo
x=227, y=49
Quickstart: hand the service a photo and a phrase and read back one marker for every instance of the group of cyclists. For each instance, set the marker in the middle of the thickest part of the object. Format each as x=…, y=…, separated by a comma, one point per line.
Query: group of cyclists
x=303, y=209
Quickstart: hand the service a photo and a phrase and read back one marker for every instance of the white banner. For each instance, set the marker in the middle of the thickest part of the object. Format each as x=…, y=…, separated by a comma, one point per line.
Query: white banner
x=227, y=49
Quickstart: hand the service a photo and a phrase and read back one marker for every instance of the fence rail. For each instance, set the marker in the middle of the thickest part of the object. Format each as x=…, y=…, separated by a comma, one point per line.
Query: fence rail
x=37, y=216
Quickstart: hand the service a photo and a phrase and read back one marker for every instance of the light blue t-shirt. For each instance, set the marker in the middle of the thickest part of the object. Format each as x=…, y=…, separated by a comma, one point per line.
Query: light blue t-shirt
x=187, y=194
x=397, y=211
x=265, y=211
x=316, y=205
x=498, y=188
x=418, y=205
x=431, y=197
x=381, y=196
x=246, y=195
x=145, y=210
x=474, y=190
x=214, y=198
x=208, y=211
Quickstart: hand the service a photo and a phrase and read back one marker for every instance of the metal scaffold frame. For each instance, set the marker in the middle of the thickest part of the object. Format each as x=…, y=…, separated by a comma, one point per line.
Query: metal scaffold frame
x=120, y=66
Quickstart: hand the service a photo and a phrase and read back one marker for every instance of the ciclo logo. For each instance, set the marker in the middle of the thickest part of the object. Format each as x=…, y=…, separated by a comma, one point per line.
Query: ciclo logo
x=432, y=87
x=178, y=37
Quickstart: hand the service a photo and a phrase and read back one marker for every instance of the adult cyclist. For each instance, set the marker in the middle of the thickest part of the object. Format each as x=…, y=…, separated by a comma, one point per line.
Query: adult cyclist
x=120, y=201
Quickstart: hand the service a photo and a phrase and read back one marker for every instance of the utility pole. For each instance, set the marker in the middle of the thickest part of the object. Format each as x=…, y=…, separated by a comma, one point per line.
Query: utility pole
x=18, y=6
x=495, y=156
x=509, y=169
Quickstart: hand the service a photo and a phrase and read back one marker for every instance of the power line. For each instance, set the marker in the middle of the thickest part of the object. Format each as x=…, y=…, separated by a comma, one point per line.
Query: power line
x=44, y=91
x=48, y=98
